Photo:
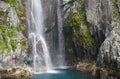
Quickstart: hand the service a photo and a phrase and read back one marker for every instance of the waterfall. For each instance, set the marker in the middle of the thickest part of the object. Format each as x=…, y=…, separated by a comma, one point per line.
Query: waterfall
x=36, y=33
x=35, y=19
x=61, y=50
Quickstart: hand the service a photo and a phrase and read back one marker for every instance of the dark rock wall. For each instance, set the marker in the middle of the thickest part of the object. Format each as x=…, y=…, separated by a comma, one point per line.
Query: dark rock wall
x=90, y=27
x=80, y=43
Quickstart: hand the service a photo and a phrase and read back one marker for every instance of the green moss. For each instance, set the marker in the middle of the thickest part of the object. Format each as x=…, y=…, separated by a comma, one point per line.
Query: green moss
x=3, y=15
x=2, y=44
x=3, y=27
x=12, y=32
x=23, y=44
x=114, y=2
x=22, y=27
x=115, y=11
x=11, y=1
x=78, y=22
x=81, y=34
x=117, y=31
x=9, y=32
x=1, y=12
x=14, y=44
x=20, y=9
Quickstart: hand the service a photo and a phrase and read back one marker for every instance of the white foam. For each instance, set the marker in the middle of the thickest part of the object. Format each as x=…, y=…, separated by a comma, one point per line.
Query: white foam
x=61, y=67
x=48, y=71
x=53, y=71
x=64, y=67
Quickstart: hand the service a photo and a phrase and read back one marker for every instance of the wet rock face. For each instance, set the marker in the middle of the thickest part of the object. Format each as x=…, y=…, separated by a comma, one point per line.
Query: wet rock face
x=102, y=18
x=50, y=13
x=49, y=8
x=79, y=41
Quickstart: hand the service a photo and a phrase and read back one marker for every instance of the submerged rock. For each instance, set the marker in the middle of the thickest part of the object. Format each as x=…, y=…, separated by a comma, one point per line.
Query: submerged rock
x=16, y=73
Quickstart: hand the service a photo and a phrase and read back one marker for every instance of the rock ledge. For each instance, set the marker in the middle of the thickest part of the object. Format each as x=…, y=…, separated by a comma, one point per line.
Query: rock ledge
x=16, y=73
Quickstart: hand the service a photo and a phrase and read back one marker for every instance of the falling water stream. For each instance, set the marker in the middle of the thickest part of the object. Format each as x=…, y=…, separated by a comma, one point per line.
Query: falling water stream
x=41, y=59
x=61, y=50
x=36, y=28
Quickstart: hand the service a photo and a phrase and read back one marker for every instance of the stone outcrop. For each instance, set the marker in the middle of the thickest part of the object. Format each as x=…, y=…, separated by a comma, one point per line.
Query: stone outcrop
x=109, y=54
x=79, y=41
x=92, y=20
x=103, y=17
x=16, y=73
x=12, y=40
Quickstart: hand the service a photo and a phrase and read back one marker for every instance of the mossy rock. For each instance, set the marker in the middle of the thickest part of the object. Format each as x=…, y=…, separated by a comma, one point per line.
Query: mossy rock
x=81, y=35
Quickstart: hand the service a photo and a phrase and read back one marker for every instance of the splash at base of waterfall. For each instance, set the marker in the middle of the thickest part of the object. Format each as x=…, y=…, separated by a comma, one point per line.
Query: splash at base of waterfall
x=55, y=70
x=49, y=71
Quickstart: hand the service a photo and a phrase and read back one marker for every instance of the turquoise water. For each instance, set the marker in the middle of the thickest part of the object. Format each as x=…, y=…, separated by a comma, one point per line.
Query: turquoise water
x=63, y=74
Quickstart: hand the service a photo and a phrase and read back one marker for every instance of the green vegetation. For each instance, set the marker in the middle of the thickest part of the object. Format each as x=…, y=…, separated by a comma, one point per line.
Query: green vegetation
x=115, y=11
x=14, y=44
x=1, y=12
x=10, y=1
x=115, y=14
x=20, y=11
x=13, y=33
x=23, y=44
x=8, y=33
x=22, y=27
x=4, y=38
x=78, y=25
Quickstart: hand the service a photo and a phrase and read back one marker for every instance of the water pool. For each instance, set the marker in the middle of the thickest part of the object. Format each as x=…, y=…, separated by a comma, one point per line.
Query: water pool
x=63, y=74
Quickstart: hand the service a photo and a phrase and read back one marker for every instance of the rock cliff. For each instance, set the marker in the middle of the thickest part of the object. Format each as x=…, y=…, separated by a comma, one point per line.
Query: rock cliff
x=12, y=39
x=92, y=30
